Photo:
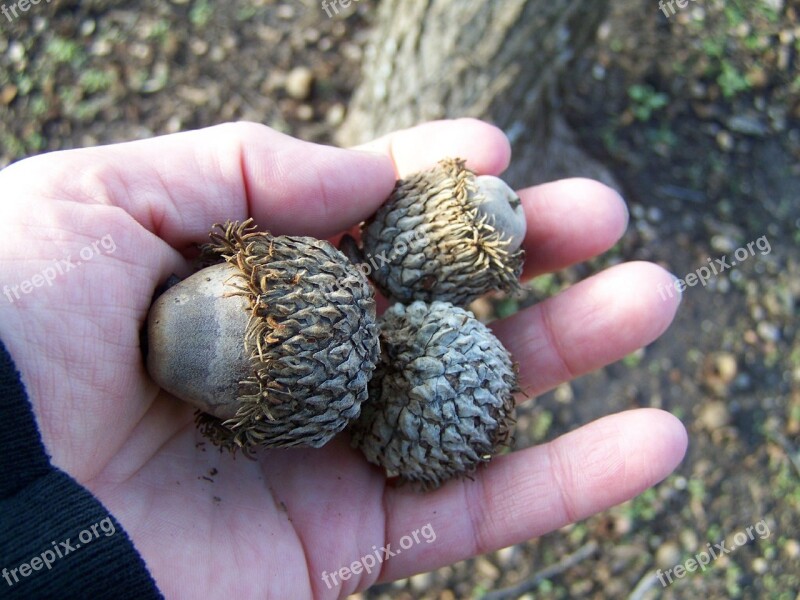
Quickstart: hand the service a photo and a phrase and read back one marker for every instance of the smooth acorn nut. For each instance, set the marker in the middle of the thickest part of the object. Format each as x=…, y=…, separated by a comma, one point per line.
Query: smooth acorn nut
x=441, y=401
x=274, y=344
x=196, y=332
x=502, y=209
x=446, y=234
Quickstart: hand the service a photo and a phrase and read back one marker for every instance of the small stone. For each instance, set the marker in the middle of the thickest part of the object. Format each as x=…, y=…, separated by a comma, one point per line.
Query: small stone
x=305, y=112
x=760, y=565
x=198, y=46
x=725, y=363
x=285, y=12
x=725, y=141
x=217, y=54
x=335, y=114
x=792, y=548
x=16, y=52
x=654, y=214
x=757, y=77
x=768, y=331
x=299, y=83
x=743, y=382
x=88, y=27
x=421, y=582
x=668, y=555
x=713, y=415
x=688, y=540
x=723, y=243
x=622, y=524
x=505, y=555
x=8, y=93
x=101, y=47
x=564, y=394
x=486, y=569
x=748, y=125
x=482, y=309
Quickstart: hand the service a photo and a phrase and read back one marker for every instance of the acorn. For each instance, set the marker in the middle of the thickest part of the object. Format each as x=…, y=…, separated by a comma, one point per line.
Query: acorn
x=441, y=401
x=274, y=343
x=446, y=234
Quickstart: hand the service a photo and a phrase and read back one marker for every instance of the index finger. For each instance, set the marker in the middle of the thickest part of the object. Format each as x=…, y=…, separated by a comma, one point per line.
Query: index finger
x=177, y=185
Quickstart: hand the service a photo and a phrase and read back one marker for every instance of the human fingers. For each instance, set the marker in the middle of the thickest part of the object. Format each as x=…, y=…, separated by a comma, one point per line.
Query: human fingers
x=531, y=492
x=569, y=221
x=591, y=324
x=177, y=185
x=484, y=147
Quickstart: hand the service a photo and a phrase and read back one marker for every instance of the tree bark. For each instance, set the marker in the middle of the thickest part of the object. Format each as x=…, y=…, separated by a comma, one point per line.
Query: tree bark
x=499, y=61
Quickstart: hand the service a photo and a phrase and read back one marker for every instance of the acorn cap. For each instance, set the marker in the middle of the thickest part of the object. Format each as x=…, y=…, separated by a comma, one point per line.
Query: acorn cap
x=441, y=401
x=446, y=234
x=275, y=345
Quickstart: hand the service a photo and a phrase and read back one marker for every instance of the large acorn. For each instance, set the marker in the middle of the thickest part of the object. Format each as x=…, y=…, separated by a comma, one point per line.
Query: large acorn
x=441, y=401
x=446, y=234
x=274, y=344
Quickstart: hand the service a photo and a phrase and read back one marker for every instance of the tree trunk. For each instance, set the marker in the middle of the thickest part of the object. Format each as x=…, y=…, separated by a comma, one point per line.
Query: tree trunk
x=495, y=60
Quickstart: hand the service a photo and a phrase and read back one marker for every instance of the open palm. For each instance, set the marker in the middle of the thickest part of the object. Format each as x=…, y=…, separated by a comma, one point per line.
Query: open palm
x=112, y=223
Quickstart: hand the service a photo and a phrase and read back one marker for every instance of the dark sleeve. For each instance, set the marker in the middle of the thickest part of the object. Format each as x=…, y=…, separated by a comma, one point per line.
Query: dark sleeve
x=56, y=539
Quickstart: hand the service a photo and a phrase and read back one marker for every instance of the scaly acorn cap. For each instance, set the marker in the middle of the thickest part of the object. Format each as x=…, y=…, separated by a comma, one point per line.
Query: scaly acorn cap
x=446, y=234
x=275, y=344
x=441, y=401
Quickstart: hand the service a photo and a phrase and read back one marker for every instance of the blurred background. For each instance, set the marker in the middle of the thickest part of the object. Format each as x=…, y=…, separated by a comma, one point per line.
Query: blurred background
x=692, y=112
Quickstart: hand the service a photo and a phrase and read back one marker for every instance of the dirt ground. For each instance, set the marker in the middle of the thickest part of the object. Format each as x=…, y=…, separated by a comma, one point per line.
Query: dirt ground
x=698, y=115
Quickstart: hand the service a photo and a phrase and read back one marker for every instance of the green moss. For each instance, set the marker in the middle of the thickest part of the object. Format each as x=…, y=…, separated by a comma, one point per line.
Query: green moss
x=95, y=80
x=634, y=359
x=731, y=81
x=64, y=50
x=200, y=13
x=12, y=144
x=541, y=425
x=646, y=101
x=505, y=307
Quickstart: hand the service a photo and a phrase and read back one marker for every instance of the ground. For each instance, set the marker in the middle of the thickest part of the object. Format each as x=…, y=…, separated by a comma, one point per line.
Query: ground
x=696, y=114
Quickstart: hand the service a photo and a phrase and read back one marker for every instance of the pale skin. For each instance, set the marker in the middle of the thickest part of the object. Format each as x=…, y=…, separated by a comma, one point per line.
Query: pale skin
x=270, y=527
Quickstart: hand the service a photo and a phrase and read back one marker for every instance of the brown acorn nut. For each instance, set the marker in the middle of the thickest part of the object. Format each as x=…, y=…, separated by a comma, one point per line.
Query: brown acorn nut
x=446, y=234
x=441, y=401
x=275, y=345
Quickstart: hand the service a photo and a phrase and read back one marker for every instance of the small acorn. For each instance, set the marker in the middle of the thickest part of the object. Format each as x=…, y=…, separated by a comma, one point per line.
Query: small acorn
x=274, y=344
x=441, y=401
x=446, y=234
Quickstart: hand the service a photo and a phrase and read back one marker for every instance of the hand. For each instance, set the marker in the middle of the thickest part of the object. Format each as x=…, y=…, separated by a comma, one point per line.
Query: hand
x=209, y=525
